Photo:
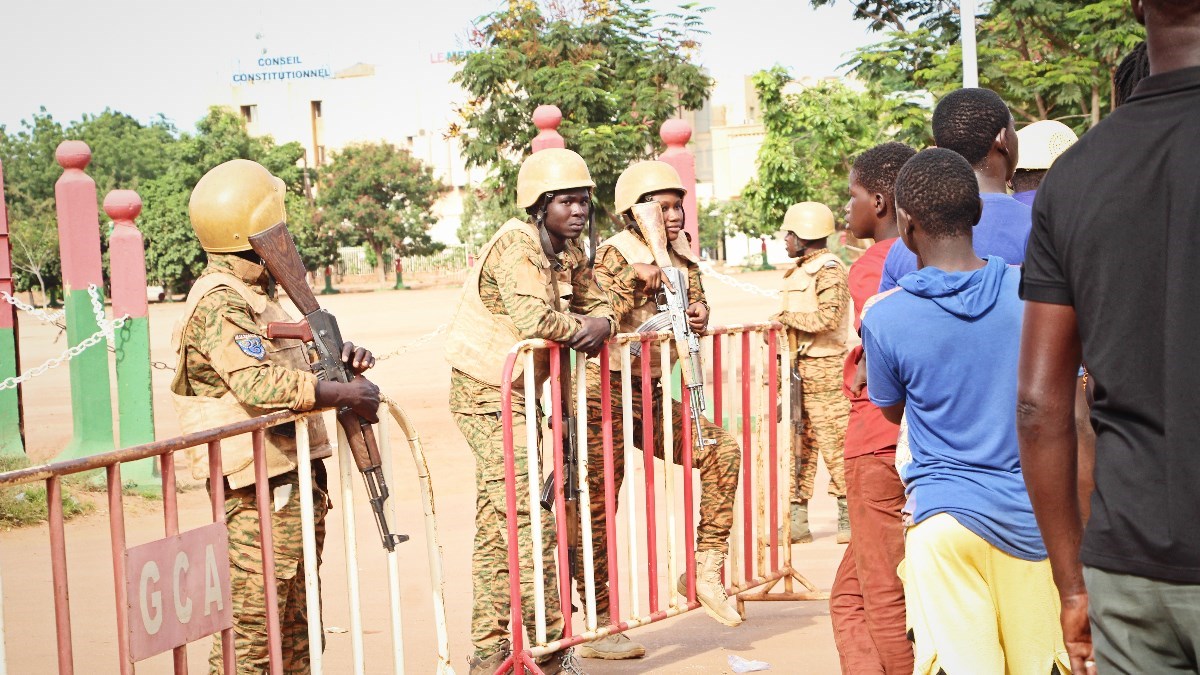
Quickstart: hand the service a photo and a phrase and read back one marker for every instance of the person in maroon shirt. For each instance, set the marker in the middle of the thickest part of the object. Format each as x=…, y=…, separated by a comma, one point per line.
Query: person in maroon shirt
x=867, y=599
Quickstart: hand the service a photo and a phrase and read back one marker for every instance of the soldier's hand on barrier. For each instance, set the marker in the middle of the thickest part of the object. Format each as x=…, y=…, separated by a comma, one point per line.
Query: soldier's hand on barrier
x=651, y=277
x=592, y=333
x=360, y=395
x=358, y=358
x=697, y=314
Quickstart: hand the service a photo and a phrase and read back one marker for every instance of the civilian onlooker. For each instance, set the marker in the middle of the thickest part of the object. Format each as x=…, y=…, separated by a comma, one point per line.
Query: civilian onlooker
x=1110, y=278
x=1041, y=143
x=976, y=124
x=866, y=602
x=943, y=348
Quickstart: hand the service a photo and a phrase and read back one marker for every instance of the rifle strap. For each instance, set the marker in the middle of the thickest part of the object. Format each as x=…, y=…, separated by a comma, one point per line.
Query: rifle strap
x=556, y=302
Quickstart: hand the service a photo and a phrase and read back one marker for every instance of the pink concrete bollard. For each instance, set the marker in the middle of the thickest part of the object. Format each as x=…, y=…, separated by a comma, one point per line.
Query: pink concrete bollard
x=676, y=133
x=547, y=118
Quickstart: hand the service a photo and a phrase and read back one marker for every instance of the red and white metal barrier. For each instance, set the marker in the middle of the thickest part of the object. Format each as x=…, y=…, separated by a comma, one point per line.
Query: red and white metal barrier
x=146, y=625
x=745, y=366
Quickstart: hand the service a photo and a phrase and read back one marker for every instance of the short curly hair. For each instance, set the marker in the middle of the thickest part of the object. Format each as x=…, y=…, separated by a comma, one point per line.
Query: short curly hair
x=876, y=169
x=967, y=121
x=938, y=188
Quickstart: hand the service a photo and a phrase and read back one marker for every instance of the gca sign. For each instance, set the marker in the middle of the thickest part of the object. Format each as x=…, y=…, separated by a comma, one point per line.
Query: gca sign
x=178, y=590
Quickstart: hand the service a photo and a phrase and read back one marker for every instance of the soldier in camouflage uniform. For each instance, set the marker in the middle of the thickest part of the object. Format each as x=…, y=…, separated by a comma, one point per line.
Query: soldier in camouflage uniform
x=230, y=371
x=816, y=313
x=625, y=269
x=509, y=297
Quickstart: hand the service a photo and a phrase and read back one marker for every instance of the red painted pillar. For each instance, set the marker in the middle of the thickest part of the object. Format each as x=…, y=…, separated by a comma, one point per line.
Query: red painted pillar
x=79, y=247
x=547, y=118
x=676, y=133
x=12, y=424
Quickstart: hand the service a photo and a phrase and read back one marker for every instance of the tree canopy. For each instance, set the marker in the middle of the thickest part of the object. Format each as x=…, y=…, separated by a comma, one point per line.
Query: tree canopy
x=384, y=195
x=616, y=68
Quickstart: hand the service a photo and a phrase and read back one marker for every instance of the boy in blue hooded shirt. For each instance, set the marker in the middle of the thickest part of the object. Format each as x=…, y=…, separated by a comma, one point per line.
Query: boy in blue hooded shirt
x=979, y=593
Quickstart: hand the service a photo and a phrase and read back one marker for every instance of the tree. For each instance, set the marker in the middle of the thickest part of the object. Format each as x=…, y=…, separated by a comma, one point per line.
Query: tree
x=812, y=137
x=1048, y=59
x=483, y=214
x=616, y=68
x=30, y=171
x=386, y=195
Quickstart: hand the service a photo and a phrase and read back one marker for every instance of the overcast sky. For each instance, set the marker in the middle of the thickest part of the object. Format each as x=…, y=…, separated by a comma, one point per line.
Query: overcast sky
x=145, y=57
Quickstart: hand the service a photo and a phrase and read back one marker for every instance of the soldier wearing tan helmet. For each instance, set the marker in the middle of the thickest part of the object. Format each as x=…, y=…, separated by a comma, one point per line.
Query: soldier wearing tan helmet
x=1041, y=143
x=816, y=313
x=508, y=297
x=230, y=371
x=625, y=269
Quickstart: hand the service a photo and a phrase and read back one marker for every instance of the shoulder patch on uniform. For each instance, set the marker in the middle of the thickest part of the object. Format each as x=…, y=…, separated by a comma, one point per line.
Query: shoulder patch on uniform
x=831, y=263
x=251, y=345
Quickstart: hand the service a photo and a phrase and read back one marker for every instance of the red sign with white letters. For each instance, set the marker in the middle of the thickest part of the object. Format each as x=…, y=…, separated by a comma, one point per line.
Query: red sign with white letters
x=178, y=590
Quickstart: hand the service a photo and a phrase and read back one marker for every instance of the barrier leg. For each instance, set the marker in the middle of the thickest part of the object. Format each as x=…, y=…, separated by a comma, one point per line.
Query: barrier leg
x=347, y=469
x=393, y=561
x=58, y=571
x=308, y=537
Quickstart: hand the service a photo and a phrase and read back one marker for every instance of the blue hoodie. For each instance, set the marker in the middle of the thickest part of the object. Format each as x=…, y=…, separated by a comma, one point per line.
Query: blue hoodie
x=946, y=346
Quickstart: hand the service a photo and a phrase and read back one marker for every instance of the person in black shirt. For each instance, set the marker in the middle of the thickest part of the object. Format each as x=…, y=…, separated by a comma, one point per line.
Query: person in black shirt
x=1110, y=279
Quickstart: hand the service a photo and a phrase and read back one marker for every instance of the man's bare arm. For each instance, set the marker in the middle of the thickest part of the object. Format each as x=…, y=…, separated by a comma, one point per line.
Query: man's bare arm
x=1050, y=356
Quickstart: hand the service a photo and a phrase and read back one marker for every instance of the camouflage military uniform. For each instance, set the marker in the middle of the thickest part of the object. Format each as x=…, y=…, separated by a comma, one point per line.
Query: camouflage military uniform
x=511, y=263
x=214, y=364
x=718, y=463
x=820, y=429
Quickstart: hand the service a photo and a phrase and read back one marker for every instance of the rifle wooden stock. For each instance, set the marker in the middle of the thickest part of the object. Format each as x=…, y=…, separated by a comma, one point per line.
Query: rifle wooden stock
x=275, y=246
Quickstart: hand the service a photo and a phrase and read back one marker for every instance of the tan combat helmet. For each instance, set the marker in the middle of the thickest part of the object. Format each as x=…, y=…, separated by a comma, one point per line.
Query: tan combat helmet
x=808, y=220
x=1041, y=143
x=233, y=201
x=643, y=178
x=551, y=170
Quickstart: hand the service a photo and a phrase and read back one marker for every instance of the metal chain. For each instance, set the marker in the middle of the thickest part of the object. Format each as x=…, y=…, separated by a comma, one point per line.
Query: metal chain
x=41, y=314
x=420, y=342
x=708, y=269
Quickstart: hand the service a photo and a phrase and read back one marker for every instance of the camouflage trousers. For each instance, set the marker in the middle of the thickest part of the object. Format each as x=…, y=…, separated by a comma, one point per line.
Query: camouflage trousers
x=491, y=610
x=246, y=574
x=820, y=427
x=718, y=464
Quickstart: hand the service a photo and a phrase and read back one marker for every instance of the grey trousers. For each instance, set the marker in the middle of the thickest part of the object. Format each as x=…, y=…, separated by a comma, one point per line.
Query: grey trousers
x=1142, y=625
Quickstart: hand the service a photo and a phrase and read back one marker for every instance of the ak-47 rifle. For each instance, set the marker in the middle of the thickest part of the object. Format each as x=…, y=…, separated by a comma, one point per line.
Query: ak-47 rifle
x=673, y=300
x=319, y=331
x=570, y=437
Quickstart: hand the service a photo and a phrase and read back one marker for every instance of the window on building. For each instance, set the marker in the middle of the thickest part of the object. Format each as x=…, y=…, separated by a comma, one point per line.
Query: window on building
x=316, y=109
x=320, y=154
x=250, y=113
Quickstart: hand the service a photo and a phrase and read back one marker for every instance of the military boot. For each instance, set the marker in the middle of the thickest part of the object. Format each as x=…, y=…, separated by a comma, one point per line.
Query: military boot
x=612, y=647
x=709, y=589
x=843, y=535
x=800, y=532
x=490, y=664
x=562, y=662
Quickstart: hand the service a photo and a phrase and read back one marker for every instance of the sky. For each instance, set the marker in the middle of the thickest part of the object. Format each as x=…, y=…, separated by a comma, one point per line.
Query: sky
x=176, y=58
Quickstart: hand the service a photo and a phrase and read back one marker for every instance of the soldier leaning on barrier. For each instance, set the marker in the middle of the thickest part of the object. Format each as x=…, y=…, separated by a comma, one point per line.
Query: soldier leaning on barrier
x=816, y=313
x=508, y=298
x=626, y=271
x=230, y=371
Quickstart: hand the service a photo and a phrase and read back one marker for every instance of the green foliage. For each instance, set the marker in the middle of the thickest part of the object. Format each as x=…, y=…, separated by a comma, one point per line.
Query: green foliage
x=616, y=68
x=483, y=214
x=27, y=504
x=386, y=197
x=1048, y=59
x=812, y=137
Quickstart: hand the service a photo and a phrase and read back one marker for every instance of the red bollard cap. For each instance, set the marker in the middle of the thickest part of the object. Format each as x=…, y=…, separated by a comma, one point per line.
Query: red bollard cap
x=122, y=205
x=73, y=155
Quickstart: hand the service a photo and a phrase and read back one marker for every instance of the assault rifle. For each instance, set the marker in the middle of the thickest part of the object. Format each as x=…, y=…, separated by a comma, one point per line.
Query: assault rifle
x=319, y=331
x=569, y=431
x=672, y=300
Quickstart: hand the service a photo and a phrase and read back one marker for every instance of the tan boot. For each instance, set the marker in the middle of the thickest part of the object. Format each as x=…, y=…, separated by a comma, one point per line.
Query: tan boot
x=488, y=665
x=709, y=589
x=612, y=647
x=561, y=662
x=843, y=532
x=800, y=532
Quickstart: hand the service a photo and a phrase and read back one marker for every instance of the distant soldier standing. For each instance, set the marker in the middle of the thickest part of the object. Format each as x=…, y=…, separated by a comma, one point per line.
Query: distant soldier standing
x=229, y=371
x=508, y=298
x=626, y=270
x=816, y=313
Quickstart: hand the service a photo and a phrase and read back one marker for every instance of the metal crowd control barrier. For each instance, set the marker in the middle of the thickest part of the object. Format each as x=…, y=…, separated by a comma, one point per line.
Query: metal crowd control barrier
x=165, y=450
x=759, y=557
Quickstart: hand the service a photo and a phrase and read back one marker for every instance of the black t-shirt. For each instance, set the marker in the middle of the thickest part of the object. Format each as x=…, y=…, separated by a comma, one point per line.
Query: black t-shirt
x=1116, y=235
